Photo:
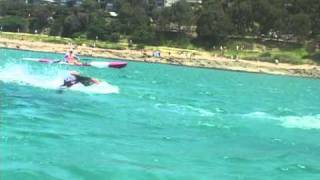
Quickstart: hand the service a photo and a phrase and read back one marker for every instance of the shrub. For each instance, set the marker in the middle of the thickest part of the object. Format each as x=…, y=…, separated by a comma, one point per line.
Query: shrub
x=13, y=23
x=266, y=59
x=285, y=58
x=266, y=54
x=316, y=57
x=143, y=35
x=174, y=39
x=56, y=40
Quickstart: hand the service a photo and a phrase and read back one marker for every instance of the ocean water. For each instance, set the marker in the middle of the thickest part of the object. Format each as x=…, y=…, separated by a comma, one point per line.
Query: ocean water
x=154, y=121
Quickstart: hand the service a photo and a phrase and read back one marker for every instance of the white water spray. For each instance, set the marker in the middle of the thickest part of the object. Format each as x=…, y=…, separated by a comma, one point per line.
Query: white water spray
x=24, y=75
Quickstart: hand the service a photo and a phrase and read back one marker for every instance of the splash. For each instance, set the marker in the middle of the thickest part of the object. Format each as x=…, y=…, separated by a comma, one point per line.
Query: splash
x=102, y=88
x=51, y=79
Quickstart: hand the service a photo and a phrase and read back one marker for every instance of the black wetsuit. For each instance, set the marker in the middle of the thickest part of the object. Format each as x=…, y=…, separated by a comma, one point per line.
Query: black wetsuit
x=74, y=79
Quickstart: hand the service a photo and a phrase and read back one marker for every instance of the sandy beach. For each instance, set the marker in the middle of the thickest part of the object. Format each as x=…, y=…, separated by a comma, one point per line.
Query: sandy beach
x=185, y=58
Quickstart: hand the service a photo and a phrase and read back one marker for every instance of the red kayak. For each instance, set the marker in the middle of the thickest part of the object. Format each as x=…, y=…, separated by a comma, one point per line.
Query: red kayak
x=117, y=64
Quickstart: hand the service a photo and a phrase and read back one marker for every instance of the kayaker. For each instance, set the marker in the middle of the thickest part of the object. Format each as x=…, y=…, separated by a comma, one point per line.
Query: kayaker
x=71, y=58
x=74, y=77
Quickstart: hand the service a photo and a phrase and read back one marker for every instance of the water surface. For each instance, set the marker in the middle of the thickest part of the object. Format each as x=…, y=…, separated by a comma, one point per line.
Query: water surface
x=155, y=122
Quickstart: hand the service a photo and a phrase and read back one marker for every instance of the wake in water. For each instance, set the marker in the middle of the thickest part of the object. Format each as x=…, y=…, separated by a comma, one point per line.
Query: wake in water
x=301, y=122
x=24, y=75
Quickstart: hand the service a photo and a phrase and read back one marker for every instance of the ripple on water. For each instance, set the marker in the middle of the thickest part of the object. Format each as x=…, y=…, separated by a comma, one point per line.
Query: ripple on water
x=296, y=168
x=184, y=109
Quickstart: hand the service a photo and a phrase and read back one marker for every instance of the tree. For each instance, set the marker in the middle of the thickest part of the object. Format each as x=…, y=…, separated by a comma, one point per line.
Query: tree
x=300, y=25
x=103, y=30
x=265, y=15
x=40, y=17
x=163, y=19
x=71, y=3
x=214, y=25
x=314, y=14
x=59, y=13
x=242, y=16
x=89, y=5
x=71, y=25
x=13, y=8
x=151, y=8
x=56, y=28
x=143, y=34
x=14, y=24
x=132, y=15
x=181, y=14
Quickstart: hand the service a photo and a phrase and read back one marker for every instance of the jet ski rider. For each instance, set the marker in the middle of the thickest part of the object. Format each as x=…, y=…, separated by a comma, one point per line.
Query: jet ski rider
x=74, y=77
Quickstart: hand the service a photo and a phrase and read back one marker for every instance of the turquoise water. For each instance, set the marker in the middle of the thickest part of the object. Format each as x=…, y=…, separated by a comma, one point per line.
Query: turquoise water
x=153, y=121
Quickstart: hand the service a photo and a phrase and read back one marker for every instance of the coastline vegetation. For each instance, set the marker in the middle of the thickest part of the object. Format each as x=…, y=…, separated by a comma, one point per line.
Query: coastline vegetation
x=258, y=51
x=260, y=30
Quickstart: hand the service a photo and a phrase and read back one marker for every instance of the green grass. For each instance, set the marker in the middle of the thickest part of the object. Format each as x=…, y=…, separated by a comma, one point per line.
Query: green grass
x=35, y=37
x=248, y=49
x=61, y=40
x=269, y=51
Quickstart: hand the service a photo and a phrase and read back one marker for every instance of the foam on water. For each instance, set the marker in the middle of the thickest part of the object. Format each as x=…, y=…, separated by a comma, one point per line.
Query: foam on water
x=24, y=75
x=258, y=115
x=102, y=88
x=301, y=122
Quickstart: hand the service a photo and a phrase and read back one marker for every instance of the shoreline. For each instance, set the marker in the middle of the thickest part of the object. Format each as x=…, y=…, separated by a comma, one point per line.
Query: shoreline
x=202, y=60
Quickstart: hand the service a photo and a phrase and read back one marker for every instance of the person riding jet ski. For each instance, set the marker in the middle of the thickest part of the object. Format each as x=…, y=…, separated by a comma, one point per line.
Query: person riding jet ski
x=74, y=77
x=71, y=58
